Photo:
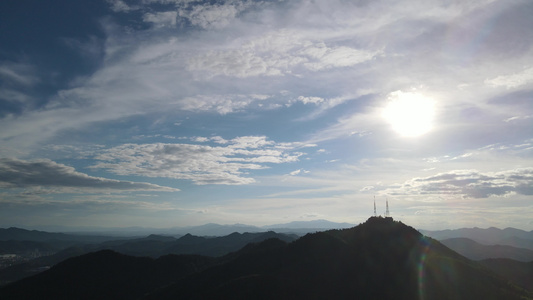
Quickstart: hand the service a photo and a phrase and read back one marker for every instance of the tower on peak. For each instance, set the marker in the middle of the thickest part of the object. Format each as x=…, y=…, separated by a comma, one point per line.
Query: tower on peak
x=375, y=214
x=387, y=213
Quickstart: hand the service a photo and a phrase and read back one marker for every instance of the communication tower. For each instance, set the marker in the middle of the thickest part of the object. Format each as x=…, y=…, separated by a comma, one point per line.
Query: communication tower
x=387, y=213
x=375, y=214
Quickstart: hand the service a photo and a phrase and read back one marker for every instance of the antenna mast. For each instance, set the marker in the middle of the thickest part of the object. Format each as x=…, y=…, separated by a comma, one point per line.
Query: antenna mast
x=387, y=213
x=375, y=214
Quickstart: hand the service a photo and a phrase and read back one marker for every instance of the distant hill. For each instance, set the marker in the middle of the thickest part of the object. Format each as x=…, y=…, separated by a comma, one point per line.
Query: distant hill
x=304, y=227
x=323, y=224
x=379, y=259
x=517, y=242
x=297, y=227
x=213, y=229
x=19, y=234
x=219, y=246
x=155, y=246
x=210, y=229
x=519, y=272
x=476, y=251
x=490, y=236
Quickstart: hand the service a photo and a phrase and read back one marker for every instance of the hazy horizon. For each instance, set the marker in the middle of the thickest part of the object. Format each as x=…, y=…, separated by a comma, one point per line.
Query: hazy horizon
x=174, y=113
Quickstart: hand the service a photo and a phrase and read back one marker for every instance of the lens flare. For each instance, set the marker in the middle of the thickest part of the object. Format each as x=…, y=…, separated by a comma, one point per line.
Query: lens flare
x=424, y=244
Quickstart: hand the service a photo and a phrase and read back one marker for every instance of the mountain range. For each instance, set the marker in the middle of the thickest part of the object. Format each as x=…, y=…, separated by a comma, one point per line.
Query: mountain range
x=476, y=251
x=210, y=229
x=150, y=246
x=379, y=259
x=490, y=236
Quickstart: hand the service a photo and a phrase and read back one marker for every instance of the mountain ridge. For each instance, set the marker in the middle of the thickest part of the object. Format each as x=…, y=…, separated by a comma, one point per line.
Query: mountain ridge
x=378, y=259
x=209, y=229
x=476, y=251
x=490, y=236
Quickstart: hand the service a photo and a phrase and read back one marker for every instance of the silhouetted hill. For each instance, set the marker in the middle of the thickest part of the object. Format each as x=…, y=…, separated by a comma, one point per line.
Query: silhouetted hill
x=519, y=272
x=379, y=259
x=218, y=246
x=105, y=275
x=155, y=246
x=477, y=251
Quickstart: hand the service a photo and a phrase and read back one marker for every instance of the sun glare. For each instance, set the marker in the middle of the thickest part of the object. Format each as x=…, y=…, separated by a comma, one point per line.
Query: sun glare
x=410, y=114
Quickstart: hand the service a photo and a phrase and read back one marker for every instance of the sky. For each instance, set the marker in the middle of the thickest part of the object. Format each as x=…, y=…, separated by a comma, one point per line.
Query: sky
x=164, y=113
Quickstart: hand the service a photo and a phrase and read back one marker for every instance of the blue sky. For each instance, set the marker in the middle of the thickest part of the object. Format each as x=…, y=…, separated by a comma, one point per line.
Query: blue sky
x=162, y=113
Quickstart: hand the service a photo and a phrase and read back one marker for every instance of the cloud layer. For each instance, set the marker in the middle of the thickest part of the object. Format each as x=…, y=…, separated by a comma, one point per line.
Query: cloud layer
x=202, y=164
x=44, y=173
x=471, y=183
x=232, y=93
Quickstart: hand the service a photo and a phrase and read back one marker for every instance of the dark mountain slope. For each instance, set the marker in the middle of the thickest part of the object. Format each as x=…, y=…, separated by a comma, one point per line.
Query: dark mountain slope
x=476, y=251
x=18, y=247
x=105, y=275
x=517, y=271
x=380, y=259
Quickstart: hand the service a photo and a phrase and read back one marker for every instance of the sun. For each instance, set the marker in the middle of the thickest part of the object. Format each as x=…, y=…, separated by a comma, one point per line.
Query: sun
x=409, y=114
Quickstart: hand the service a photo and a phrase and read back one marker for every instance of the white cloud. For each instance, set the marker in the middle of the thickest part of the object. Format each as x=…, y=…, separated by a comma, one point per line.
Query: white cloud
x=298, y=172
x=161, y=19
x=470, y=183
x=512, y=81
x=222, y=104
x=252, y=142
x=212, y=16
x=314, y=100
x=518, y=118
x=277, y=53
x=201, y=164
x=322, y=57
x=47, y=174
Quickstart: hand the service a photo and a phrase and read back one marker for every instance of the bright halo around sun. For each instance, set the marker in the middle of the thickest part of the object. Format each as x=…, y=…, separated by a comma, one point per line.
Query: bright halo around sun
x=410, y=114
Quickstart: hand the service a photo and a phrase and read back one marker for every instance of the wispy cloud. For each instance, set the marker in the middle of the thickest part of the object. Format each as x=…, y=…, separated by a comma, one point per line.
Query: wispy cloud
x=16, y=80
x=213, y=16
x=217, y=92
x=222, y=104
x=44, y=173
x=278, y=53
x=18, y=73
